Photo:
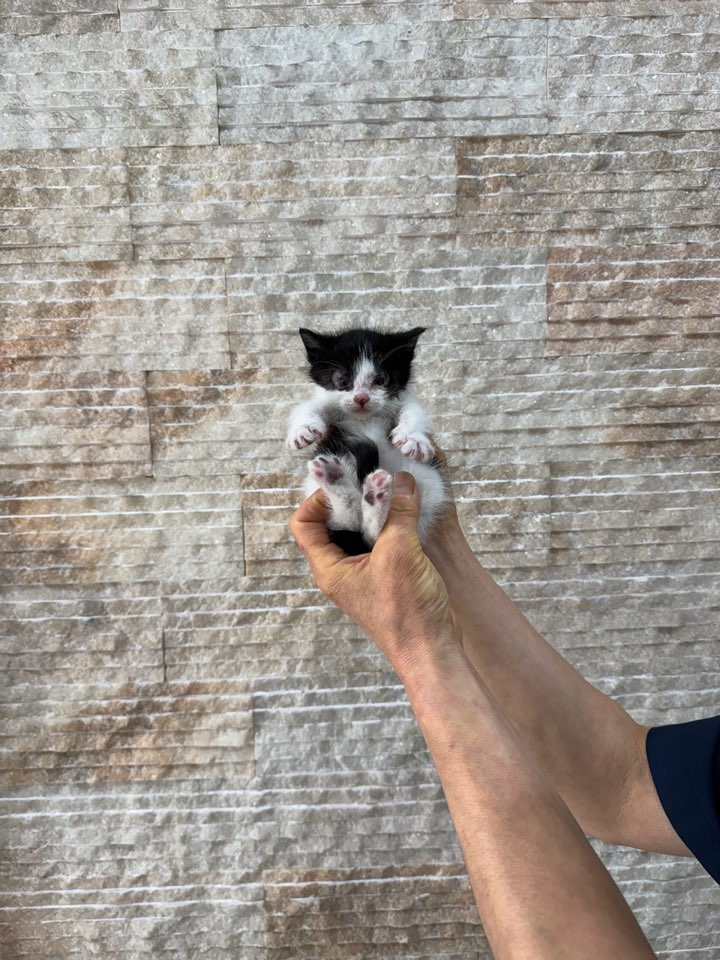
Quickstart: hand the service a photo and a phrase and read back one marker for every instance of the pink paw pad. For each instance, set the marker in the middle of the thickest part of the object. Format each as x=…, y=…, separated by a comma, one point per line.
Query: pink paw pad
x=327, y=470
x=377, y=486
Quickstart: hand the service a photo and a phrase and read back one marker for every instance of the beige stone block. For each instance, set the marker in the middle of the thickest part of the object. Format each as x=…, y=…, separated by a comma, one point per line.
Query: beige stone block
x=613, y=546
x=260, y=627
x=318, y=812
x=199, y=918
x=595, y=189
x=268, y=502
x=164, y=832
x=639, y=627
x=628, y=299
x=81, y=634
x=114, y=316
x=370, y=913
x=265, y=199
x=73, y=425
x=64, y=205
x=326, y=748
x=579, y=408
x=574, y=9
x=606, y=74
x=109, y=89
x=662, y=886
x=347, y=83
x=218, y=421
x=647, y=511
x=475, y=303
x=130, y=531
x=140, y=731
x=171, y=14
x=504, y=510
x=124, y=868
x=58, y=16
x=370, y=724
x=234, y=14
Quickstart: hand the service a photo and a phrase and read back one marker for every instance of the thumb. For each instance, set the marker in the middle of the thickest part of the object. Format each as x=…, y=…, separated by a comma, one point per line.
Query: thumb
x=404, y=507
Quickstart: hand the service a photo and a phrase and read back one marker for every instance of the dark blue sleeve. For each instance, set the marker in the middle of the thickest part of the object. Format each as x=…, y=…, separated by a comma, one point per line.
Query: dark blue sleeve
x=684, y=762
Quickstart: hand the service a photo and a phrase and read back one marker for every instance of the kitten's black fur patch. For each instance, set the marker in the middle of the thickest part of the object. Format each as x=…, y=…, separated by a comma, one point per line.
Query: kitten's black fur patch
x=366, y=457
x=363, y=449
x=351, y=541
x=392, y=352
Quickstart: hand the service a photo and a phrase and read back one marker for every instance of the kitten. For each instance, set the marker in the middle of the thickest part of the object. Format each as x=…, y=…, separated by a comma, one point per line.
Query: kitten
x=364, y=424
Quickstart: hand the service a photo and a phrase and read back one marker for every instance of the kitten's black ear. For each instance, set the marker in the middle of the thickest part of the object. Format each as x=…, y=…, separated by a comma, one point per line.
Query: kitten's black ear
x=411, y=338
x=312, y=341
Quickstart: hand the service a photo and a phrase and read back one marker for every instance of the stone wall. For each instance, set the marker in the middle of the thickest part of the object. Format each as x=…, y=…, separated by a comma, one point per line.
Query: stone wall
x=200, y=757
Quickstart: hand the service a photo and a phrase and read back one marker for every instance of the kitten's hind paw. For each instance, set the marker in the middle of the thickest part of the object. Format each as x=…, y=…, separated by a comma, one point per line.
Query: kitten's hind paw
x=377, y=486
x=376, y=496
x=328, y=471
x=414, y=446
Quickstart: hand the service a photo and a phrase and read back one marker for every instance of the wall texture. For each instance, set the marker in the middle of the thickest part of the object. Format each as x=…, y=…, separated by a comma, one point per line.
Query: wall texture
x=200, y=757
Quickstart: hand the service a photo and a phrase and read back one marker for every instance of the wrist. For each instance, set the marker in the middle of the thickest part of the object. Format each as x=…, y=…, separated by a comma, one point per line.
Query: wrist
x=432, y=664
x=447, y=547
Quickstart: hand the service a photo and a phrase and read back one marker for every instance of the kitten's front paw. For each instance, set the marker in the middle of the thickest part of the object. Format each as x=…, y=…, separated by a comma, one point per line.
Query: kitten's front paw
x=303, y=436
x=414, y=446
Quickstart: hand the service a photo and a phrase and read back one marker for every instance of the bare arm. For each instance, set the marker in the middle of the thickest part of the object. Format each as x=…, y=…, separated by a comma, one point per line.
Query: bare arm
x=540, y=888
x=588, y=746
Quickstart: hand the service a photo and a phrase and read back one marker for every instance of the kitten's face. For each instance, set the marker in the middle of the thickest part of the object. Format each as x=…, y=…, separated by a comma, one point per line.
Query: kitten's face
x=366, y=369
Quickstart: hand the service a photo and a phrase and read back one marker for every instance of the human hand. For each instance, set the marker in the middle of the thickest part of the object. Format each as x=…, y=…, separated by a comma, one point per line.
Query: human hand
x=394, y=593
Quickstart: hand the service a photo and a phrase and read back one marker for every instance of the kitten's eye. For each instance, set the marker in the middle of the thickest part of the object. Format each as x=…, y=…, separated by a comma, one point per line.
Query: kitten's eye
x=340, y=381
x=381, y=380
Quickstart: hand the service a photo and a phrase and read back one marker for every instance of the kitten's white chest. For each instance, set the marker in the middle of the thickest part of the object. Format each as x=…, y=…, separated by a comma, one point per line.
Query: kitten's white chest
x=372, y=428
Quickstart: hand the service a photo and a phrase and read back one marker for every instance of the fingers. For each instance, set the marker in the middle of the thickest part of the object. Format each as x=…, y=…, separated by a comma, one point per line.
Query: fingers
x=404, y=509
x=406, y=495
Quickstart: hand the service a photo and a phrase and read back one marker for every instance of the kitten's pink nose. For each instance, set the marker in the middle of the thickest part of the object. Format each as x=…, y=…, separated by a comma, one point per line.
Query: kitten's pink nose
x=361, y=399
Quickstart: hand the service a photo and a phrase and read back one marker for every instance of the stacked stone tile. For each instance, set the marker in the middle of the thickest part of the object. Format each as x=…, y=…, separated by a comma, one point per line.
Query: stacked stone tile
x=201, y=756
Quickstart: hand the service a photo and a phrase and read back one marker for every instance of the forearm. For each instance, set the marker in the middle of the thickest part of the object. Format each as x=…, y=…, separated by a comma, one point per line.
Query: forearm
x=540, y=888
x=587, y=745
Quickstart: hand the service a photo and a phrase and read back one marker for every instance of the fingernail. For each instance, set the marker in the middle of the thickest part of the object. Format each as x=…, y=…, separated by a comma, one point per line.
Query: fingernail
x=404, y=483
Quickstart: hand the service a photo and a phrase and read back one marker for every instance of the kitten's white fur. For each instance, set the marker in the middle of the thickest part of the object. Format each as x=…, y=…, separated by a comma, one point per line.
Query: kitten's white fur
x=406, y=448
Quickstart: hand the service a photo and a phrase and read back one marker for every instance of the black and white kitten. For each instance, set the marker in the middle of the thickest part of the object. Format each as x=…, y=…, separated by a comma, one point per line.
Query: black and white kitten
x=364, y=424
